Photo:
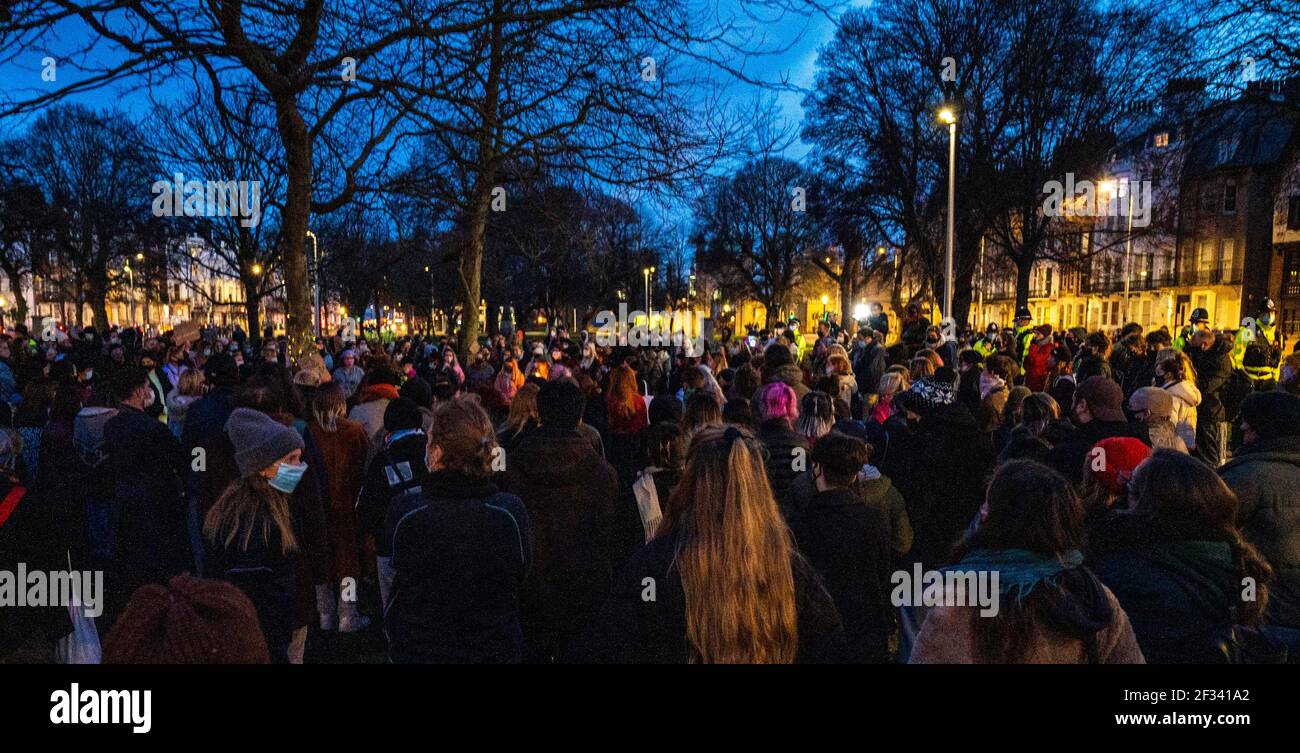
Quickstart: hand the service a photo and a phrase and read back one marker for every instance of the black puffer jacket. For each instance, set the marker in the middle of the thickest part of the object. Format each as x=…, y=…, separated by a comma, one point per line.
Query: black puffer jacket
x=1213, y=370
x=787, y=455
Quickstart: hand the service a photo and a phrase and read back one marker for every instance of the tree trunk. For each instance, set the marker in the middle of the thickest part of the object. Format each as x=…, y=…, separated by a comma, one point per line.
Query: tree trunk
x=1023, y=271
x=293, y=235
x=97, y=285
x=252, y=307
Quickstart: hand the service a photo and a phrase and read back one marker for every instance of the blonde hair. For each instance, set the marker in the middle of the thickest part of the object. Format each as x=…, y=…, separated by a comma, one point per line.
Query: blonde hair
x=191, y=383
x=248, y=507
x=734, y=553
x=892, y=382
x=328, y=405
x=522, y=408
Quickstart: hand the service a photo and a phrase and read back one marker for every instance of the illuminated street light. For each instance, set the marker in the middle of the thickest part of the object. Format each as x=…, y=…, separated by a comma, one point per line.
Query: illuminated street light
x=949, y=115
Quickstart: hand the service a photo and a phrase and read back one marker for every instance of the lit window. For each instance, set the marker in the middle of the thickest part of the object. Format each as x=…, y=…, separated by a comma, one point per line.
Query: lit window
x=1162, y=139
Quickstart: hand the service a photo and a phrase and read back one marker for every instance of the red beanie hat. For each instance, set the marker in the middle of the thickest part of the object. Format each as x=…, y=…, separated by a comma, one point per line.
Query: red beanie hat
x=1112, y=460
x=188, y=621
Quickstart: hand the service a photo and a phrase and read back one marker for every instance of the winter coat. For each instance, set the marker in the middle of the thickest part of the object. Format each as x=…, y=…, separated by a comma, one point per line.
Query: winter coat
x=1069, y=455
x=148, y=522
x=873, y=489
x=1213, y=370
x=1036, y=366
x=1186, y=398
x=868, y=367
x=634, y=630
x=953, y=462
x=29, y=535
x=789, y=373
x=268, y=576
x=349, y=379
x=1180, y=594
x=1164, y=436
x=1076, y=621
x=369, y=411
x=787, y=455
x=1265, y=475
x=343, y=461
x=397, y=468
x=848, y=544
x=461, y=550
x=570, y=493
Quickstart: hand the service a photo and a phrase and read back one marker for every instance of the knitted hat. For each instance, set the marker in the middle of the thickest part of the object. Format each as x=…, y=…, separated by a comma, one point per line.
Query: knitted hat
x=188, y=621
x=259, y=440
x=1156, y=402
x=1272, y=414
x=1104, y=396
x=402, y=413
x=1112, y=460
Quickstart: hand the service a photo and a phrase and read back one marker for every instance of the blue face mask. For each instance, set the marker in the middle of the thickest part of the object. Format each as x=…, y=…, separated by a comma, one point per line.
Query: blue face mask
x=287, y=477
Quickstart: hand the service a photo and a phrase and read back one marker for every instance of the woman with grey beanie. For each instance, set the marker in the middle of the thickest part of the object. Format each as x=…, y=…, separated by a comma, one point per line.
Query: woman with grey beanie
x=251, y=538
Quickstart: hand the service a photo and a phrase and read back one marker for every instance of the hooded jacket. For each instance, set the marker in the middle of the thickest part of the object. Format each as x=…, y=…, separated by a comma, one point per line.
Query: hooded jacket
x=1180, y=594
x=788, y=373
x=784, y=447
x=1265, y=475
x=1186, y=398
x=1076, y=620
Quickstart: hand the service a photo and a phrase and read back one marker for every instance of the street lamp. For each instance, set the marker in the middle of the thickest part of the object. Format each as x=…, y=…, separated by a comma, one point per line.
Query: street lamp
x=825, y=299
x=647, y=272
x=131, y=276
x=949, y=115
x=315, y=260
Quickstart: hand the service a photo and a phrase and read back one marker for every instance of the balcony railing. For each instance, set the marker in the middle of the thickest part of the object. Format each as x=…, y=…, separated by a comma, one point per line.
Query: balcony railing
x=1215, y=276
x=1116, y=285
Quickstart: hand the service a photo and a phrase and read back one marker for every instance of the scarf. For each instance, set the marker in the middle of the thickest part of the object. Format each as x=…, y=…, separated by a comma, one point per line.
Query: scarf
x=1019, y=570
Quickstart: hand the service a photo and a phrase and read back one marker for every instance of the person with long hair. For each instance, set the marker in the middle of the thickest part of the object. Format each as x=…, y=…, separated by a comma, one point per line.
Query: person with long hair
x=1177, y=561
x=522, y=419
x=343, y=447
x=730, y=587
x=816, y=416
x=1175, y=375
x=189, y=388
x=702, y=410
x=892, y=382
x=250, y=534
x=1050, y=606
x=626, y=407
x=460, y=551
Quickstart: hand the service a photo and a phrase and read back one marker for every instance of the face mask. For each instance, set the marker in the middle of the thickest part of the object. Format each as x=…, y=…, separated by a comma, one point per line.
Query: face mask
x=1266, y=319
x=287, y=477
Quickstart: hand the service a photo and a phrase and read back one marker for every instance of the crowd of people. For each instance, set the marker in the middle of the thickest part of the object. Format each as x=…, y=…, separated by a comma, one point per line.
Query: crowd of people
x=553, y=499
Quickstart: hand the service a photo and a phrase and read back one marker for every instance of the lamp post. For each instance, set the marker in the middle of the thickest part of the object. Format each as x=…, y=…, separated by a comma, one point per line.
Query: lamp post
x=130, y=274
x=949, y=115
x=648, y=308
x=825, y=300
x=315, y=260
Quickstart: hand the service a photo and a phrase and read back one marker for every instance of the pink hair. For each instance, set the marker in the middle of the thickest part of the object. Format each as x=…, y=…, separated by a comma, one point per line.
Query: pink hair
x=777, y=400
